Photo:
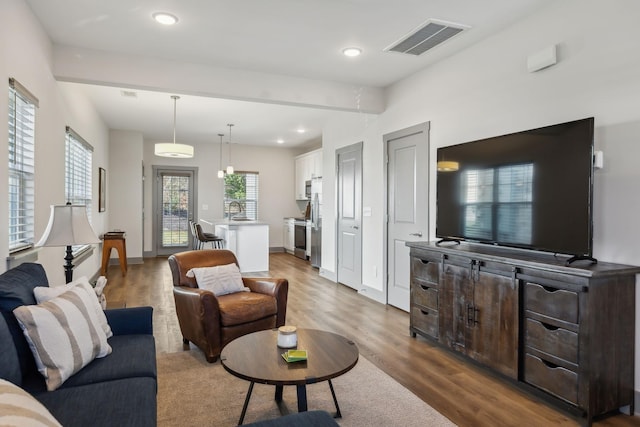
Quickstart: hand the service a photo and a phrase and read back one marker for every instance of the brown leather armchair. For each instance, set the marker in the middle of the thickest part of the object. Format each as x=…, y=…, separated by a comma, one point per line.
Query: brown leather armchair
x=210, y=321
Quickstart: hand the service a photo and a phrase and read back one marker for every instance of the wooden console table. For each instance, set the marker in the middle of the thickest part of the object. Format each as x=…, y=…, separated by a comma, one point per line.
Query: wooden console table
x=566, y=334
x=114, y=240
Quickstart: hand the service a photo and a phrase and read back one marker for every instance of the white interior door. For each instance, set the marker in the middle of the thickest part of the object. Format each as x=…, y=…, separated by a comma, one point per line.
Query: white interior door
x=408, y=205
x=349, y=192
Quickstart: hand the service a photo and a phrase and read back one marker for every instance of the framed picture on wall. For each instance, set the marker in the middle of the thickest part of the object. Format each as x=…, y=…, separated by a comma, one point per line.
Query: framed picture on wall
x=102, y=190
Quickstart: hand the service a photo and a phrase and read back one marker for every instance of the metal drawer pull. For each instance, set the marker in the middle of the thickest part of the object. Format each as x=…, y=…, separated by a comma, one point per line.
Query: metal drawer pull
x=418, y=234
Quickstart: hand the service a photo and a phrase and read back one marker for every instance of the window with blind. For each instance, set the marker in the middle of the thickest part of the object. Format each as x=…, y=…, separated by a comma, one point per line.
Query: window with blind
x=241, y=195
x=77, y=182
x=22, y=117
x=508, y=219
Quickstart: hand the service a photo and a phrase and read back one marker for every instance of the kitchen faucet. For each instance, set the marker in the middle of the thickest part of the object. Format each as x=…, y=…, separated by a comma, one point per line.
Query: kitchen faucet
x=234, y=203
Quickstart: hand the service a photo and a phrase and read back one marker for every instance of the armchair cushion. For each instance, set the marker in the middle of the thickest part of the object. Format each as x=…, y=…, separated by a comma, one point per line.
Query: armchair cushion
x=221, y=279
x=245, y=307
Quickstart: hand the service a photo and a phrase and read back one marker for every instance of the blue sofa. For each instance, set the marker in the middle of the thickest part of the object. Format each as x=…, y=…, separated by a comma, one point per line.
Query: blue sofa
x=117, y=390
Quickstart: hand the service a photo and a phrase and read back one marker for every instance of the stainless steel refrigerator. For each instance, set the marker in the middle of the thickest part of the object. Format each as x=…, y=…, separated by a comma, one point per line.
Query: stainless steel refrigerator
x=316, y=222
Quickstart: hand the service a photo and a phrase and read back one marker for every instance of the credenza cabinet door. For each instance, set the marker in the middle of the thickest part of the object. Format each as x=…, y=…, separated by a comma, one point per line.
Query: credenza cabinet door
x=492, y=335
x=455, y=294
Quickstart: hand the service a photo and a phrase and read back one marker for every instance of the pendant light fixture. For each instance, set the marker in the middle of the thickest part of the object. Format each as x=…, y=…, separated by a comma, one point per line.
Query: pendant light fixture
x=168, y=149
x=229, y=168
x=220, y=170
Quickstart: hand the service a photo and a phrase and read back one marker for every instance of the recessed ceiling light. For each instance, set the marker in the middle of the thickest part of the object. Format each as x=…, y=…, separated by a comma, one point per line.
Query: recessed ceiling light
x=351, y=51
x=280, y=141
x=165, y=18
x=301, y=130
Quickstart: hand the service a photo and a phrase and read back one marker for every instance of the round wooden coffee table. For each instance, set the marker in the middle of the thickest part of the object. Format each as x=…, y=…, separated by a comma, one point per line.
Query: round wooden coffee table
x=257, y=358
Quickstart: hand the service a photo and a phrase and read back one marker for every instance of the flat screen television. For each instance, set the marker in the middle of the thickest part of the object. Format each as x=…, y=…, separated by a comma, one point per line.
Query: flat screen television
x=530, y=189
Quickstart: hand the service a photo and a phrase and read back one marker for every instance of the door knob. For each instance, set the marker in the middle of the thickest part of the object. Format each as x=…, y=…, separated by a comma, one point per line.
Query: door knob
x=355, y=227
x=418, y=234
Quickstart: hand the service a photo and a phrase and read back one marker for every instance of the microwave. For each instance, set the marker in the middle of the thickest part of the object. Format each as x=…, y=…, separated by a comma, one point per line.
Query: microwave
x=307, y=189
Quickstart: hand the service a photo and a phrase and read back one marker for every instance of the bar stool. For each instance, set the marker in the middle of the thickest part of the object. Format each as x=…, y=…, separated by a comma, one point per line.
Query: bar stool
x=216, y=242
x=114, y=240
x=194, y=235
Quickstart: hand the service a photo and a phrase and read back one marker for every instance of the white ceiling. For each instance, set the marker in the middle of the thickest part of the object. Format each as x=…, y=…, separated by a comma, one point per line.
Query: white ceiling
x=298, y=38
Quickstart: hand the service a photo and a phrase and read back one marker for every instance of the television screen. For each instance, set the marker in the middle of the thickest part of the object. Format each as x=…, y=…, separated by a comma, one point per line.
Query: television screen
x=530, y=189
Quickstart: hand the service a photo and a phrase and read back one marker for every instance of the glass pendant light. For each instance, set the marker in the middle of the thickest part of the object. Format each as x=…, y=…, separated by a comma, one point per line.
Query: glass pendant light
x=229, y=168
x=168, y=149
x=220, y=171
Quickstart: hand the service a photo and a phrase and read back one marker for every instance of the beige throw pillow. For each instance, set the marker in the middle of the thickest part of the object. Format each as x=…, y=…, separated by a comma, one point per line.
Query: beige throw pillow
x=45, y=293
x=221, y=280
x=19, y=408
x=64, y=334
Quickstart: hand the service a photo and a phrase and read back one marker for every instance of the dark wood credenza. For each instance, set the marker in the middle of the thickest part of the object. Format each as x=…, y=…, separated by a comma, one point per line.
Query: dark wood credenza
x=564, y=333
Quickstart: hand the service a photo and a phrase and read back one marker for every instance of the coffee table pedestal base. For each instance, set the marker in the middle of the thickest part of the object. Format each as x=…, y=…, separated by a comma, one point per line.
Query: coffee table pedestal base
x=301, y=391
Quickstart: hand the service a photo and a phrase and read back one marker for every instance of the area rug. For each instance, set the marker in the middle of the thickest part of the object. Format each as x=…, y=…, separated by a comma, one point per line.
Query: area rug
x=192, y=392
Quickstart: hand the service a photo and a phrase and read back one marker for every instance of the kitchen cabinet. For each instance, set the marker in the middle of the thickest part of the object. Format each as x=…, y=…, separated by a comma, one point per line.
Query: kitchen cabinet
x=302, y=173
x=307, y=166
x=288, y=238
x=565, y=334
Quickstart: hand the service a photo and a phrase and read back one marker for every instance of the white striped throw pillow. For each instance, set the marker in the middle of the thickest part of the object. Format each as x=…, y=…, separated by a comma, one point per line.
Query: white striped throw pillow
x=45, y=293
x=221, y=279
x=19, y=408
x=64, y=334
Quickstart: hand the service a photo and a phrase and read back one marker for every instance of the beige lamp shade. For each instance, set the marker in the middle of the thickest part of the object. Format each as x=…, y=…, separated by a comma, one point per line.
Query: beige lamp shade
x=171, y=149
x=68, y=226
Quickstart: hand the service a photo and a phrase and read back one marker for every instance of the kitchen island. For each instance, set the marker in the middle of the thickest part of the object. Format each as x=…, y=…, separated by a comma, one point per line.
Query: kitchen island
x=248, y=240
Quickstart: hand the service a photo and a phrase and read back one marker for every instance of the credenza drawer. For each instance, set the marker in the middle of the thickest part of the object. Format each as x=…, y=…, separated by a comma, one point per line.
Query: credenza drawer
x=557, y=303
x=427, y=271
x=552, y=340
x=425, y=320
x=424, y=294
x=554, y=379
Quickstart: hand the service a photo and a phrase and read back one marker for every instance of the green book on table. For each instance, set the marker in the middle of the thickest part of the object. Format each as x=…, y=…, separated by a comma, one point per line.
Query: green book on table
x=295, y=355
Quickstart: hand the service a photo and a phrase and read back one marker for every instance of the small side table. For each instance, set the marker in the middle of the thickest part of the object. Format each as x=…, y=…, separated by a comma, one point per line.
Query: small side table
x=114, y=240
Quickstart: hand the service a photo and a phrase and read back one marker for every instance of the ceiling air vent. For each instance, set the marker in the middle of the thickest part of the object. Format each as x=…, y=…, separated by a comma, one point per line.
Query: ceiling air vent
x=426, y=36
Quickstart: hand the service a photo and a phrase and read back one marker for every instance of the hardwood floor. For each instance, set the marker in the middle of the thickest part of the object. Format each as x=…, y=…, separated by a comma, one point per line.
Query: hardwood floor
x=466, y=394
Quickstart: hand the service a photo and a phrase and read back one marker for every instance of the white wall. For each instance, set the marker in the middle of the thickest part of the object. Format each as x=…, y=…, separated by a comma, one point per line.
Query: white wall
x=486, y=91
x=274, y=165
x=25, y=54
x=124, y=188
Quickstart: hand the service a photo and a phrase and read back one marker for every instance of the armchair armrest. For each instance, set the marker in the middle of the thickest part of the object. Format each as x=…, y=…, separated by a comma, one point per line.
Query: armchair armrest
x=130, y=321
x=198, y=314
x=266, y=285
x=196, y=302
x=278, y=288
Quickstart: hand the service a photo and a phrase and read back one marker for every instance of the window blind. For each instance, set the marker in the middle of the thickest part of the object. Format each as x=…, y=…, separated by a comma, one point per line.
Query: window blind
x=78, y=171
x=21, y=167
x=241, y=187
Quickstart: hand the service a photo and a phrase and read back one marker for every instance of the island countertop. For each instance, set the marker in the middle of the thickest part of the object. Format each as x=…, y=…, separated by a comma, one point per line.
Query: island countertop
x=248, y=240
x=214, y=222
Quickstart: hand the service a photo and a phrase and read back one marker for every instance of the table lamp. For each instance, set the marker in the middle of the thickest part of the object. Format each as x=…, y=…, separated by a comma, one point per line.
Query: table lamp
x=68, y=226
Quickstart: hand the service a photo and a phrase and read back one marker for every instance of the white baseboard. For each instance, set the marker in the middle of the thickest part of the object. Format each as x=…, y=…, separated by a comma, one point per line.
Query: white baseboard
x=329, y=275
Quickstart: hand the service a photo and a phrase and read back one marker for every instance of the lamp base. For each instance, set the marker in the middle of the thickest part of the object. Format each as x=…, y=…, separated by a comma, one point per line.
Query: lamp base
x=68, y=266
